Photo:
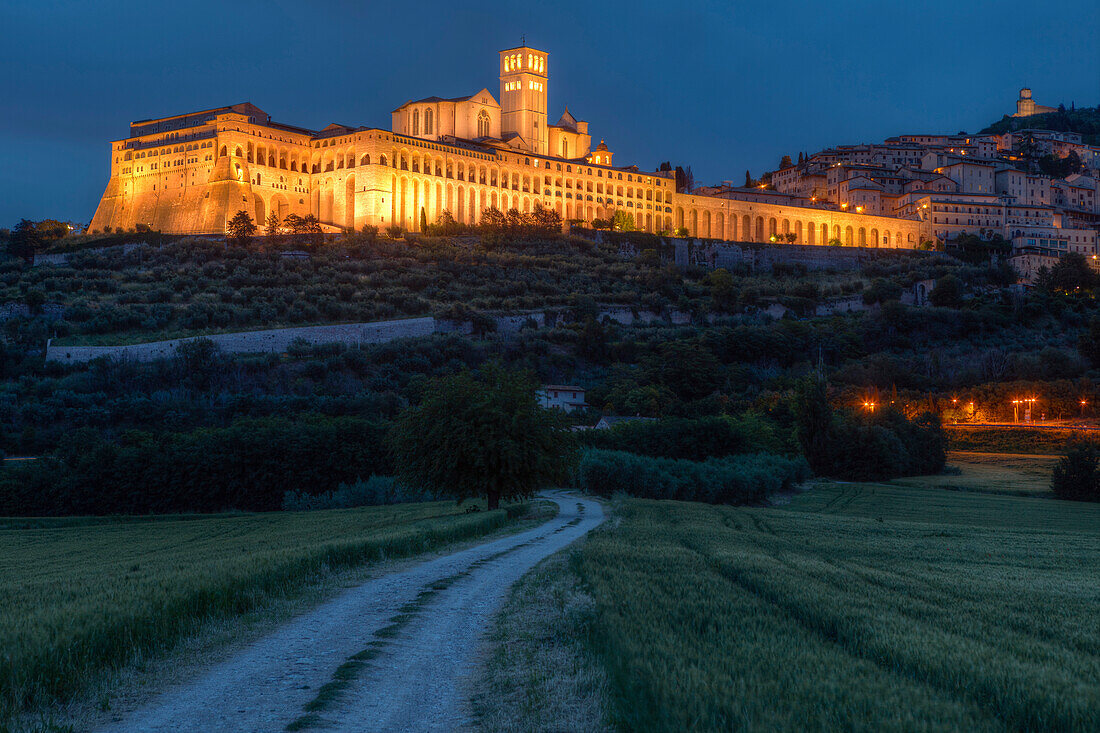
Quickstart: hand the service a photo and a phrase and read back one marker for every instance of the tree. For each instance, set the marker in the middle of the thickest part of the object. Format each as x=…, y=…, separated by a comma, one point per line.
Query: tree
x=1070, y=274
x=722, y=288
x=293, y=222
x=546, y=220
x=240, y=229
x=25, y=240
x=947, y=293
x=51, y=229
x=311, y=228
x=271, y=226
x=623, y=221
x=423, y=220
x=748, y=180
x=785, y=162
x=492, y=219
x=1077, y=475
x=482, y=435
x=1088, y=344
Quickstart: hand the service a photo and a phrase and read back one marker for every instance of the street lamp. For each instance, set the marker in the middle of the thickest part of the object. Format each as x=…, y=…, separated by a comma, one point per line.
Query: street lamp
x=1016, y=410
x=1083, y=403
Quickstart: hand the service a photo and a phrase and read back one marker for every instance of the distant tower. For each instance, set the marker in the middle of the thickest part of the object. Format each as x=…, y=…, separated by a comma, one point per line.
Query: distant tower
x=1025, y=105
x=523, y=81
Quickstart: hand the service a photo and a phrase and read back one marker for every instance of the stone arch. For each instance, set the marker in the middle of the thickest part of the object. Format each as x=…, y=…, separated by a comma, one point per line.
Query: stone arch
x=786, y=226
x=811, y=230
x=759, y=229
x=279, y=206
x=836, y=232
x=798, y=232
x=237, y=152
x=328, y=200
x=365, y=160
x=773, y=227
x=874, y=238
x=705, y=230
x=746, y=228
x=862, y=237
x=720, y=225
x=679, y=217
x=848, y=236
x=261, y=214
x=349, y=202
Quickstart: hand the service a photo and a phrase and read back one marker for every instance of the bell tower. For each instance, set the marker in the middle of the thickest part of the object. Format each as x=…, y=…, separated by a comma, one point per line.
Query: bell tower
x=523, y=78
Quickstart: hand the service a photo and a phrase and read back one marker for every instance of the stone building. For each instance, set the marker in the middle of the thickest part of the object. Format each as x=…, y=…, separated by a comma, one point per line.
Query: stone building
x=1026, y=106
x=191, y=173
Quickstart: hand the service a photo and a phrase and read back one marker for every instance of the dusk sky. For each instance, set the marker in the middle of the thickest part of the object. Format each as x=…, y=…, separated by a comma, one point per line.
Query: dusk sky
x=723, y=87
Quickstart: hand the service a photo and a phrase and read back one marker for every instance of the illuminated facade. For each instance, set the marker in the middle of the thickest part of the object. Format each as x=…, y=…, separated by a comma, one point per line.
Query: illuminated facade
x=191, y=173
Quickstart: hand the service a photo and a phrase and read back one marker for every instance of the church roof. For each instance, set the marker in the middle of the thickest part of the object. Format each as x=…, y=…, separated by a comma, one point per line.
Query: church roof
x=433, y=99
x=601, y=146
x=567, y=120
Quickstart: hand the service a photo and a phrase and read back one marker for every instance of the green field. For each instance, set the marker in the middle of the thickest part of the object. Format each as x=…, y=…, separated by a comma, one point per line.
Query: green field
x=994, y=473
x=854, y=607
x=79, y=596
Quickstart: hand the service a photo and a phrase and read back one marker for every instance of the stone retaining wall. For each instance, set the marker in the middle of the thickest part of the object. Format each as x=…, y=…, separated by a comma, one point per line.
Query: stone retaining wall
x=253, y=342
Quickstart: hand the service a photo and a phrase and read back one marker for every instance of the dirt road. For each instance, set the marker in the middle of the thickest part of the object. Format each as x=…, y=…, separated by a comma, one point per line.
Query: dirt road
x=390, y=654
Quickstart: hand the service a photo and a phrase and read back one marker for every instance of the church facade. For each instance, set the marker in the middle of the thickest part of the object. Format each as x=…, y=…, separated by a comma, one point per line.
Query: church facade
x=191, y=173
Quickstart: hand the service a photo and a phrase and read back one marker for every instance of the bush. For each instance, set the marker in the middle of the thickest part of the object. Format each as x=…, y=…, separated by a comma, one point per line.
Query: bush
x=865, y=447
x=748, y=479
x=1077, y=475
x=695, y=440
x=249, y=466
x=375, y=491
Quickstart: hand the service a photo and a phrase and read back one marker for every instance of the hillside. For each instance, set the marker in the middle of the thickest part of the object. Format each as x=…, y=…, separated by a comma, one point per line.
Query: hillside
x=1085, y=120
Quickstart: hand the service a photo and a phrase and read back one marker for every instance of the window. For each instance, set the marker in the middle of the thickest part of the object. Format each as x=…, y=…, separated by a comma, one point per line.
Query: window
x=416, y=122
x=483, y=124
x=428, y=121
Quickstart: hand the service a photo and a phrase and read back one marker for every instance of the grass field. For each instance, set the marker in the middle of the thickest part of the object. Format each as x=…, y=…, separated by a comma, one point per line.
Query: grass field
x=854, y=607
x=1005, y=439
x=79, y=596
x=994, y=473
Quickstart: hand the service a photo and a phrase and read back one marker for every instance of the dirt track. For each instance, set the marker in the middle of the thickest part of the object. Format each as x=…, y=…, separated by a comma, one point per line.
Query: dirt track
x=407, y=678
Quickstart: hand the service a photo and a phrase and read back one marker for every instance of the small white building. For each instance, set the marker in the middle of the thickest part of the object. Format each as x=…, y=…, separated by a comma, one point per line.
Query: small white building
x=563, y=397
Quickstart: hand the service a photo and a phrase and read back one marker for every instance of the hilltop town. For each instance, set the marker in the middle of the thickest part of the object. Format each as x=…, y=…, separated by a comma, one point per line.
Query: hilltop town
x=1033, y=187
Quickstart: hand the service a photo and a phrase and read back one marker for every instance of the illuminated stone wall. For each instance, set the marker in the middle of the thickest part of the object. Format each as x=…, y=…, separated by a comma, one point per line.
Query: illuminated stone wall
x=191, y=173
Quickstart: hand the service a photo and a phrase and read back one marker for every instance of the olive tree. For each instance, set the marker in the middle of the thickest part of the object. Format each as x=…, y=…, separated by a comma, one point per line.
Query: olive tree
x=484, y=434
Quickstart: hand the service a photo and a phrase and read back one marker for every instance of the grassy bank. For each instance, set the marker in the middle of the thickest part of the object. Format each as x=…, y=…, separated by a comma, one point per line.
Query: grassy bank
x=539, y=674
x=79, y=598
x=855, y=607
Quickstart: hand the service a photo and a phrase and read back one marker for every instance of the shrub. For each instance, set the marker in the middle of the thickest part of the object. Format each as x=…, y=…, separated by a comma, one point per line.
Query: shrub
x=748, y=479
x=865, y=447
x=249, y=465
x=375, y=491
x=706, y=437
x=1077, y=475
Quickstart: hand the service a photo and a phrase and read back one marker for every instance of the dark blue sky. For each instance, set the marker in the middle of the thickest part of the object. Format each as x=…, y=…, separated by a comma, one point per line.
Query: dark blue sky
x=720, y=86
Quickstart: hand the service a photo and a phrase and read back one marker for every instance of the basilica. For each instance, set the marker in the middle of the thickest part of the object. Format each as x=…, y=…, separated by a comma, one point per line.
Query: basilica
x=191, y=173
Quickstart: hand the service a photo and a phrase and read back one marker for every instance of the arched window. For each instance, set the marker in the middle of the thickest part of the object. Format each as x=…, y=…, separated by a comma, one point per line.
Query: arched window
x=416, y=122
x=428, y=121
x=483, y=124
x=565, y=148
